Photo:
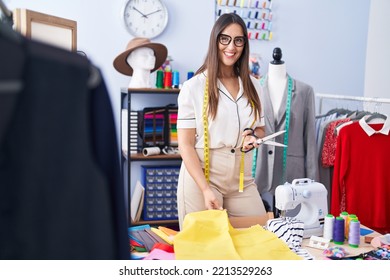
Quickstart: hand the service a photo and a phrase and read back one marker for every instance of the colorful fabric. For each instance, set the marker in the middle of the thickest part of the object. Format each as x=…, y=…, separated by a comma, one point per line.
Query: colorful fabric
x=328, y=154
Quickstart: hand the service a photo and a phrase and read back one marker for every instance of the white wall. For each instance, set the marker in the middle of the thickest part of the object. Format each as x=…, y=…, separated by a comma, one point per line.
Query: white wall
x=378, y=55
x=323, y=42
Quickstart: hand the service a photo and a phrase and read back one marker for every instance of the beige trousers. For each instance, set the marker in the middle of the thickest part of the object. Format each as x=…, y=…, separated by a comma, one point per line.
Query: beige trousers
x=224, y=181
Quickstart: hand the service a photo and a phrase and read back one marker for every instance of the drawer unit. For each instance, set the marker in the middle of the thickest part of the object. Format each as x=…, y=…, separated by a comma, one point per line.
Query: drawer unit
x=160, y=184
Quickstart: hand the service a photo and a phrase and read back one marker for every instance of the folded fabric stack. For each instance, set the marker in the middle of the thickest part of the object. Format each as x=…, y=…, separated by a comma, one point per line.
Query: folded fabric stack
x=151, y=243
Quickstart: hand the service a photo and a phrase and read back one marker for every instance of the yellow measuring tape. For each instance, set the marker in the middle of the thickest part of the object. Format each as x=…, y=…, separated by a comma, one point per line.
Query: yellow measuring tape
x=241, y=187
x=206, y=132
x=206, y=140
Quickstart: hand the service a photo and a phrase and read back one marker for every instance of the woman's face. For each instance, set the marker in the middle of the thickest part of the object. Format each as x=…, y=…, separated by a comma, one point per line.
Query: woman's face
x=231, y=43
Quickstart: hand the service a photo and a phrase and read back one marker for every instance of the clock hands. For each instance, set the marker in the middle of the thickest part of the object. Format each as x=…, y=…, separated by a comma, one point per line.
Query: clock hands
x=159, y=10
x=143, y=15
x=146, y=15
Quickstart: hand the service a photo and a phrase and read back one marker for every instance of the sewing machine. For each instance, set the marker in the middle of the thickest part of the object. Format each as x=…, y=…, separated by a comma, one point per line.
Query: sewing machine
x=311, y=196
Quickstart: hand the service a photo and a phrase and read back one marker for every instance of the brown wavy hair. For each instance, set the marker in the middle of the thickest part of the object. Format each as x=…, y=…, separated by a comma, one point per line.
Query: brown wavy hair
x=241, y=67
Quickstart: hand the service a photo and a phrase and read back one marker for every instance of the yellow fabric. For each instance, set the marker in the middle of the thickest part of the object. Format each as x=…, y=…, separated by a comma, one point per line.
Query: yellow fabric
x=168, y=231
x=164, y=236
x=208, y=235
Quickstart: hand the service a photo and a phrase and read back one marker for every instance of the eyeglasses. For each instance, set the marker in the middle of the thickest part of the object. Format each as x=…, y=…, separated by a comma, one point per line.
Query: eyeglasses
x=238, y=41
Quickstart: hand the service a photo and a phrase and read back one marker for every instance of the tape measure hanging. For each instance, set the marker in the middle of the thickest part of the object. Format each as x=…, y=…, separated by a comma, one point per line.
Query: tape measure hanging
x=206, y=132
x=241, y=186
x=206, y=149
x=288, y=111
x=287, y=126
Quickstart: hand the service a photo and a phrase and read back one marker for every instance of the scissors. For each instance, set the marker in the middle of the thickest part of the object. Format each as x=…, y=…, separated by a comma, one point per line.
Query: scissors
x=266, y=140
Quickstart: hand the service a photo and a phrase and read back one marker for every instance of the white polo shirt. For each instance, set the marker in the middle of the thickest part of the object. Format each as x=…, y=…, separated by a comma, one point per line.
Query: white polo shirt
x=233, y=116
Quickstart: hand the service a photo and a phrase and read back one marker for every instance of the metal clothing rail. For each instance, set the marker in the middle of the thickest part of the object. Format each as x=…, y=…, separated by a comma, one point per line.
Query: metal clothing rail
x=377, y=100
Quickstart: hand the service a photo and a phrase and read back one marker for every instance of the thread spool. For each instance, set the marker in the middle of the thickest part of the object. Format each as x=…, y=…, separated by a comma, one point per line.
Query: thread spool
x=339, y=231
x=328, y=227
x=350, y=217
x=159, y=79
x=354, y=233
x=168, y=79
x=344, y=215
x=175, y=79
x=190, y=75
x=151, y=151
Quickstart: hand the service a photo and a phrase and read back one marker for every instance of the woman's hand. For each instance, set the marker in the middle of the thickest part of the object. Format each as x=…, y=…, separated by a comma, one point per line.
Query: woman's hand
x=249, y=142
x=210, y=200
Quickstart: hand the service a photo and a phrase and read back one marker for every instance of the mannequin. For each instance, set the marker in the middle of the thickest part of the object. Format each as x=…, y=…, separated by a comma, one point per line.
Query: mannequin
x=139, y=60
x=142, y=60
x=275, y=165
x=277, y=80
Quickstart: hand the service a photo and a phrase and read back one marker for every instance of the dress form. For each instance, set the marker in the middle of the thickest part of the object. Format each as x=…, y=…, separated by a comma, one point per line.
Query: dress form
x=277, y=80
x=142, y=60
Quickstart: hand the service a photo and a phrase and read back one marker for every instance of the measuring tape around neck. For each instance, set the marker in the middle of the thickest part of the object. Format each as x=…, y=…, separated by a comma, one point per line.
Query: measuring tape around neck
x=288, y=111
x=287, y=126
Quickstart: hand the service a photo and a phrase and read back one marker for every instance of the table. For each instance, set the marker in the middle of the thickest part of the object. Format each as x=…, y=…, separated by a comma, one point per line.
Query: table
x=244, y=222
x=363, y=246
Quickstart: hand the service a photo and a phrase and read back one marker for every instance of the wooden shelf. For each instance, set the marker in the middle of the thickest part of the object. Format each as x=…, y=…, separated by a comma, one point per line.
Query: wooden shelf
x=150, y=91
x=141, y=157
x=155, y=222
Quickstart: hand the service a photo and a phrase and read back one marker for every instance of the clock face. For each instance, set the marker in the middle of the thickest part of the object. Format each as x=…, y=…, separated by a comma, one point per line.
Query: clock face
x=145, y=18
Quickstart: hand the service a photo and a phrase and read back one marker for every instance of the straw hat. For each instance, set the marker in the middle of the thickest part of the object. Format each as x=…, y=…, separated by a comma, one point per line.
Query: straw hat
x=160, y=52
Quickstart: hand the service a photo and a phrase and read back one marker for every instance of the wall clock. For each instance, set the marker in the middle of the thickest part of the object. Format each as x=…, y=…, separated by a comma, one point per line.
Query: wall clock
x=145, y=18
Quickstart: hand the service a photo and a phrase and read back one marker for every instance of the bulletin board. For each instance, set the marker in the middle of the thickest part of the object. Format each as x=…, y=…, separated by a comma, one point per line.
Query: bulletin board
x=256, y=14
x=50, y=29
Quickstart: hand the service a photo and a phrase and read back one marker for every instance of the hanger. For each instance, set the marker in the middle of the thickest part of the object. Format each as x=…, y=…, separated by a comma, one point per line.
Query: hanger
x=7, y=34
x=6, y=23
x=360, y=115
x=6, y=14
x=4, y=9
x=357, y=117
x=376, y=118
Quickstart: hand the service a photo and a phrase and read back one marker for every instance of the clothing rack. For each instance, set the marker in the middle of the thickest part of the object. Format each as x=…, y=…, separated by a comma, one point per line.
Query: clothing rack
x=377, y=100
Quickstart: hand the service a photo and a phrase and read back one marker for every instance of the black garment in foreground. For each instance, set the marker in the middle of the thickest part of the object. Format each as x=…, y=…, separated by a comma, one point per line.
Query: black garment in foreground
x=60, y=190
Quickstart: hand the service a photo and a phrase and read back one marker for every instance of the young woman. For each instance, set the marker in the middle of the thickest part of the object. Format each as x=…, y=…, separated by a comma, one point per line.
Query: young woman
x=219, y=119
